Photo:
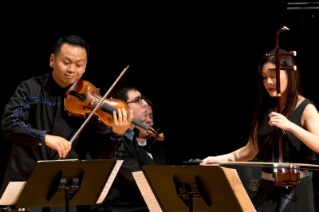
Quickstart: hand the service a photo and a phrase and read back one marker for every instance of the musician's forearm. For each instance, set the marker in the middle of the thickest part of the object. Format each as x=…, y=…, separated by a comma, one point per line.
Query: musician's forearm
x=245, y=153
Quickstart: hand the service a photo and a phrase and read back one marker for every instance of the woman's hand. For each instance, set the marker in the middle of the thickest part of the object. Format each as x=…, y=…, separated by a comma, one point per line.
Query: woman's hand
x=211, y=160
x=279, y=120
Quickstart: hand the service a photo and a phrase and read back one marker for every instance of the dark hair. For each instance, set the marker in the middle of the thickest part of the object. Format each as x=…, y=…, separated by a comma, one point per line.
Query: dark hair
x=72, y=40
x=264, y=102
x=148, y=100
x=121, y=93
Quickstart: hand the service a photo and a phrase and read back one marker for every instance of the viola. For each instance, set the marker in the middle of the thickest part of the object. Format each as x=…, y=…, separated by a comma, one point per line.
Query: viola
x=82, y=98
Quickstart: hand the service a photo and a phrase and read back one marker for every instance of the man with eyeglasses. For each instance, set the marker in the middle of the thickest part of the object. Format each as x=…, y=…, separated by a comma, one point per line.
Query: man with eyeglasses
x=124, y=195
x=147, y=142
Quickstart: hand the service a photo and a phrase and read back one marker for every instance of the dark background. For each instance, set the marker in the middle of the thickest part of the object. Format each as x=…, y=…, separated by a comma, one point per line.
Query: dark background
x=195, y=60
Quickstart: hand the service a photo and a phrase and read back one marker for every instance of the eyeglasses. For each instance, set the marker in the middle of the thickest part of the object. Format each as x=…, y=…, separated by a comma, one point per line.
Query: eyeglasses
x=138, y=99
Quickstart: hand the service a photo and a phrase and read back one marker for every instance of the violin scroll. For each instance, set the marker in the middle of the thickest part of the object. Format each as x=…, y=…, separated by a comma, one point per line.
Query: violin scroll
x=155, y=135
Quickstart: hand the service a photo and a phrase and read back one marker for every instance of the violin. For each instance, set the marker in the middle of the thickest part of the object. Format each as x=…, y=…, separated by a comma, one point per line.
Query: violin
x=82, y=98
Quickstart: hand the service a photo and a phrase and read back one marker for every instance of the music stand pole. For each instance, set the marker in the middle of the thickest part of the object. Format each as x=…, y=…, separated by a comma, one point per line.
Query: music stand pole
x=67, y=208
x=190, y=203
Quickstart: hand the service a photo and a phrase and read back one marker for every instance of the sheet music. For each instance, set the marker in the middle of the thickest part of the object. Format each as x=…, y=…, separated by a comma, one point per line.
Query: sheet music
x=109, y=181
x=12, y=193
x=146, y=191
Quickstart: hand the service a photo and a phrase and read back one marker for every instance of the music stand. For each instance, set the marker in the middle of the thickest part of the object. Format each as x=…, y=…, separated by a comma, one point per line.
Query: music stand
x=65, y=182
x=198, y=188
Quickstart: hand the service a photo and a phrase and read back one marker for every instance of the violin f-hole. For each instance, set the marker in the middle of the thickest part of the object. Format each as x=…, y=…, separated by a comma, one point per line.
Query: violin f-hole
x=80, y=96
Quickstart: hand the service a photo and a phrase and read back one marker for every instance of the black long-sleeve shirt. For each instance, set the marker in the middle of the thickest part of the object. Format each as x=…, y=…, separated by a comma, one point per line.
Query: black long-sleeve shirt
x=37, y=108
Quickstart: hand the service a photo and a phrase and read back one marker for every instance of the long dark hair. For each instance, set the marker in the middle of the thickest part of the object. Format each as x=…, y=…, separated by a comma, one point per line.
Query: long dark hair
x=264, y=102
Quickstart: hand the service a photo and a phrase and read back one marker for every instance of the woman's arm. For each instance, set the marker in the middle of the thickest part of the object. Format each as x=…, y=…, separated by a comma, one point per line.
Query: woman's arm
x=309, y=134
x=245, y=153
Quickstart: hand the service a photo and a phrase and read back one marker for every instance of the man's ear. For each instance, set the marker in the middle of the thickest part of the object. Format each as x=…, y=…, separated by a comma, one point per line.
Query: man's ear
x=52, y=58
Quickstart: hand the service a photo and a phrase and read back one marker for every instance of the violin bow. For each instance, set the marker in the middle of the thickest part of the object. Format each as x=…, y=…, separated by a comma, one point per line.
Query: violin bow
x=98, y=105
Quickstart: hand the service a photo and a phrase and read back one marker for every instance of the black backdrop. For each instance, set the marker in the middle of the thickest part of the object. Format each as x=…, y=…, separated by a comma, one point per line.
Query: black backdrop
x=195, y=60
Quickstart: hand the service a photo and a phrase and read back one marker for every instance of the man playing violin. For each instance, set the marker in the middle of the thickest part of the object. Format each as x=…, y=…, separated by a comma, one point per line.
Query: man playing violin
x=124, y=194
x=35, y=121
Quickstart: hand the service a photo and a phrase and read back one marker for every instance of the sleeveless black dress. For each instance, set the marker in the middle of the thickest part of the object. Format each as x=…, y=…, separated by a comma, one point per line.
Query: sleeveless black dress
x=295, y=151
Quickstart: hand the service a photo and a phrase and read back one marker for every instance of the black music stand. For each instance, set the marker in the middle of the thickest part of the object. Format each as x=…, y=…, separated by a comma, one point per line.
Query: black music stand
x=65, y=182
x=198, y=188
